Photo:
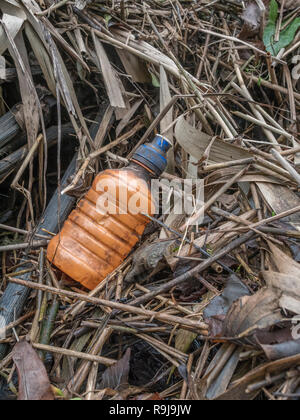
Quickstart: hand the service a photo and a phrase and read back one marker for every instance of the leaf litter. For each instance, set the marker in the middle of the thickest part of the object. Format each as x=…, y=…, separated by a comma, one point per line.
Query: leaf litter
x=206, y=312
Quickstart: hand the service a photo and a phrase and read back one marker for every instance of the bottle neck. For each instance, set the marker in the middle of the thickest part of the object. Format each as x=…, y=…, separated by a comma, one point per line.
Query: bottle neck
x=141, y=170
x=145, y=167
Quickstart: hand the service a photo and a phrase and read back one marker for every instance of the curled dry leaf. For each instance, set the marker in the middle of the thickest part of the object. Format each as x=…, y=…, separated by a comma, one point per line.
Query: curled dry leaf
x=147, y=259
x=34, y=383
x=285, y=283
x=252, y=313
x=195, y=142
x=116, y=376
x=281, y=350
x=240, y=389
x=220, y=305
x=215, y=313
x=287, y=289
x=263, y=310
x=283, y=262
x=13, y=18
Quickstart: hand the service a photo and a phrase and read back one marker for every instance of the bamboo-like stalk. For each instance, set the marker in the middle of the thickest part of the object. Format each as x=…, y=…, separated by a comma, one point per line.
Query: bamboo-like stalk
x=210, y=202
x=200, y=326
x=77, y=355
x=287, y=166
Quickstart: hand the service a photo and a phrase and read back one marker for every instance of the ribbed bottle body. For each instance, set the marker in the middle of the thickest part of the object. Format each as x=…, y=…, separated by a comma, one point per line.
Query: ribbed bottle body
x=105, y=226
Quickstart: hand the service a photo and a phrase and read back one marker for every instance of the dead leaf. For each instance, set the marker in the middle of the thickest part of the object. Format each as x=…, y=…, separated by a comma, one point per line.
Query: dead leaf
x=34, y=384
x=134, y=66
x=285, y=283
x=252, y=313
x=195, y=142
x=116, y=376
x=111, y=78
x=220, y=305
x=238, y=391
x=147, y=258
x=281, y=198
x=13, y=18
x=287, y=289
x=166, y=122
x=283, y=262
x=281, y=350
x=219, y=386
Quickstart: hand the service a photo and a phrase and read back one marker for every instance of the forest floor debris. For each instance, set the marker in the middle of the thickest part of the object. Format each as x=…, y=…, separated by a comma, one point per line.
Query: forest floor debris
x=210, y=311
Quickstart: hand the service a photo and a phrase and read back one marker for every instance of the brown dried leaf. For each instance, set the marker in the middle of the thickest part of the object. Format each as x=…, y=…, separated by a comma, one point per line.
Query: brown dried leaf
x=13, y=18
x=195, y=142
x=134, y=66
x=34, y=384
x=283, y=262
x=239, y=389
x=286, y=283
x=147, y=258
x=111, y=78
x=116, y=376
x=166, y=122
x=251, y=313
x=287, y=289
x=281, y=198
x=281, y=350
x=233, y=291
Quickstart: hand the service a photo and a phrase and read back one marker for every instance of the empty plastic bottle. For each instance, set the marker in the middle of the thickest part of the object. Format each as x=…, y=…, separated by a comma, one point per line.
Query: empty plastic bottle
x=108, y=222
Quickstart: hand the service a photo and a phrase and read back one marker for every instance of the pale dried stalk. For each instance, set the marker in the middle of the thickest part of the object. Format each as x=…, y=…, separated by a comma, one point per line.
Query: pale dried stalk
x=170, y=319
x=77, y=381
x=263, y=124
x=286, y=165
x=211, y=201
x=71, y=353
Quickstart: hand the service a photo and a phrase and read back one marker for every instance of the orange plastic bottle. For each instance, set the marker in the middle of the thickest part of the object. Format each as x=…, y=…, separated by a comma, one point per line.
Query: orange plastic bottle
x=108, y=222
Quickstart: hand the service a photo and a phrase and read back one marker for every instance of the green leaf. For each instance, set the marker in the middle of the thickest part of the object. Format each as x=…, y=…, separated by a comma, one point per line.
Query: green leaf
x=155, y=81
x=286, y=36
x=259, y=82
x=273, y=12
x=107, y=18
x=58, y=392
x=270, y=29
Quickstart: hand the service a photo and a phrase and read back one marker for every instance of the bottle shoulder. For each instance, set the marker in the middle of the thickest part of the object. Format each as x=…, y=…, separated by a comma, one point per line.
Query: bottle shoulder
x=126, y=175
x=125, y=184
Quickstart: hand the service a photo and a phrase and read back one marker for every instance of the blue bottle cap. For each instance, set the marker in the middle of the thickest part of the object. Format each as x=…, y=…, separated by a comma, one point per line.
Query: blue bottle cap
x=154, y=155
